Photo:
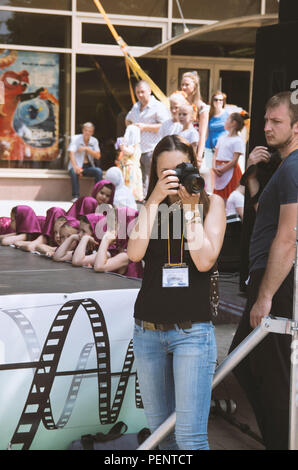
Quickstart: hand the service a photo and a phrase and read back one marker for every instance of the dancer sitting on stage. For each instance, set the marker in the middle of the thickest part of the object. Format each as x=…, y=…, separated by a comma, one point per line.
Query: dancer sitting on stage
x=49, y=236
x=174, y=341
x=103, y=192
x=225, y=159
x=50, y=248
x=25, y=224
x=82, y=206
x=112, y=252
x=90, y=226
x=68, y=240
x=5, y=226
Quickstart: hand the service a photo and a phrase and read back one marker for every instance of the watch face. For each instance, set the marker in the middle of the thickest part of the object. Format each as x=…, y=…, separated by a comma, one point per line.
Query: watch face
x=189, y=215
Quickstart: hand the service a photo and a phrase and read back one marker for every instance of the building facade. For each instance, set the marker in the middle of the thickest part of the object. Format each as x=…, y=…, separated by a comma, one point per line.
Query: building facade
x=60, y=66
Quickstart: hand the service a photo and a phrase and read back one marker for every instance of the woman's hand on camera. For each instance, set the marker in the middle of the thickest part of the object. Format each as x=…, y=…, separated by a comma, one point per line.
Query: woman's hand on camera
x=186, y=198
x=167, y=185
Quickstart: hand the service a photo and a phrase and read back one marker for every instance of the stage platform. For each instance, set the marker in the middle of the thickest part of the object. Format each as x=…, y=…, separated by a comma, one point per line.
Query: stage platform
x=27, y=273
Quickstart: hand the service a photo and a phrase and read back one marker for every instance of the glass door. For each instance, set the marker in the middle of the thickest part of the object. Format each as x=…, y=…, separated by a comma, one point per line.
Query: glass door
x=236, y=85
x=233, y=77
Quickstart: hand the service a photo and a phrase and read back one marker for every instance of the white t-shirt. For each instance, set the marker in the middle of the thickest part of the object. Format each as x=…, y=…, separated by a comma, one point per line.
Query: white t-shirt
x=190, y=134
x=169, y=127
x=204, y=108
x=227, y=146
x=76, y=142
x=154, y=113
x=235, y=201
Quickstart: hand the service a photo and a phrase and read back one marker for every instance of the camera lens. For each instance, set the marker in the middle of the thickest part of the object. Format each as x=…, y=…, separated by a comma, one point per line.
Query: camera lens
x=194, y=184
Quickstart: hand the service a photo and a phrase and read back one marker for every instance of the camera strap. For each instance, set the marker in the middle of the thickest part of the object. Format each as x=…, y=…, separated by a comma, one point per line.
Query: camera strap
x=175, y=274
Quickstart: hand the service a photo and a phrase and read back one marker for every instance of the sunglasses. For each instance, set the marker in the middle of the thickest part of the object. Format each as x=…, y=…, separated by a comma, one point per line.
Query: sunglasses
x=217, y=99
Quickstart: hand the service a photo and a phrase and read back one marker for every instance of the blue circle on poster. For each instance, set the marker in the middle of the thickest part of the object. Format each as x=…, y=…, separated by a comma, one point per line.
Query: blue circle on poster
x=33, y=112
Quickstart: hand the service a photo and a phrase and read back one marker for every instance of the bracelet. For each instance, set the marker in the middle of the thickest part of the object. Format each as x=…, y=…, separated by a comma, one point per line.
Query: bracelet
x=196, y=219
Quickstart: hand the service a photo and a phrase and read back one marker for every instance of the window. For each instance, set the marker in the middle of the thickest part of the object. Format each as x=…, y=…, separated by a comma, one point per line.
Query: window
x=217, y=9
x=30, y=29
x=51, y=5
x=235, y=83
x=236, y=42
x=157, y=8
x=178, y=28
x=132, y=35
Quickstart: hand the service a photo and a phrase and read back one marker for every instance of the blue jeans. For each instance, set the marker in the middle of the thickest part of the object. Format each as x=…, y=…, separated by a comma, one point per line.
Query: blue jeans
x=175, y=370
x=88, y=170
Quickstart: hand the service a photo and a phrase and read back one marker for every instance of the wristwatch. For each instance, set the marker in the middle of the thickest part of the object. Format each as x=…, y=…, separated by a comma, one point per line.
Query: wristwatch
x=189, y=215
x=192, y=216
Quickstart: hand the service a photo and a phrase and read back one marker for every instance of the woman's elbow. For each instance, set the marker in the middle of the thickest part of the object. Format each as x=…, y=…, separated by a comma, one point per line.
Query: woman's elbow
x=134, y=258
x=205, y=266
x=133, y=255
x=77, y=262
x=98, y=269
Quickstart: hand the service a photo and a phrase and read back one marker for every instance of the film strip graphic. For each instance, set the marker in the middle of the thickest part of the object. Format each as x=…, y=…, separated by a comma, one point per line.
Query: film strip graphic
x=38, y=407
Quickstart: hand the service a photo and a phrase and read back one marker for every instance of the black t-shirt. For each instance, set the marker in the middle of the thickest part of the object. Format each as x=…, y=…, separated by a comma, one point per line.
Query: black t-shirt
x=281, y=189
x=172, y=304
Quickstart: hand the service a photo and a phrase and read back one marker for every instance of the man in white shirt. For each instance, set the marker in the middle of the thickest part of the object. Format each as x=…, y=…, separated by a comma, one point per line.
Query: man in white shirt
x=148, y=114
x=83, y=149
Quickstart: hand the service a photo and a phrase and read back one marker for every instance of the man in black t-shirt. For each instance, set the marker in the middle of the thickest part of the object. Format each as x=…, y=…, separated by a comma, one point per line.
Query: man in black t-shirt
x=265, y=373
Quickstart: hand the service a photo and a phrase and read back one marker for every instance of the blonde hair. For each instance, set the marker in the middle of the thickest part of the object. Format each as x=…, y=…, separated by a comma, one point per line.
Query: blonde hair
x=178, y=97
x=196, y=95
x=189, y=109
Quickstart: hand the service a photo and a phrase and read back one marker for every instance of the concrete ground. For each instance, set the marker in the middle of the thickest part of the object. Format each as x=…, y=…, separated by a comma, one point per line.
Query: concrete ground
x=223, y=435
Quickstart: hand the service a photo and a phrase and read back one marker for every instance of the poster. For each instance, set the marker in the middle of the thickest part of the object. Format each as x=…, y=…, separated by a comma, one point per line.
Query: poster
x=29, y=106
x=66, y=368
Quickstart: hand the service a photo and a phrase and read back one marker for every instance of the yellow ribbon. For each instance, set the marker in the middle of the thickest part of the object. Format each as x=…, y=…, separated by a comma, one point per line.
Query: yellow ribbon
x=135, y=67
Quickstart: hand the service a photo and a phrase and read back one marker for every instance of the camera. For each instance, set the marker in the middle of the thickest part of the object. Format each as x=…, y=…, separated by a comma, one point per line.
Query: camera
x=190, y=178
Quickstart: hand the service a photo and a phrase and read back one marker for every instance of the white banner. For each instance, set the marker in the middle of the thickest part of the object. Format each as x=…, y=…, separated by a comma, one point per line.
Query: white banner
x=66, y=367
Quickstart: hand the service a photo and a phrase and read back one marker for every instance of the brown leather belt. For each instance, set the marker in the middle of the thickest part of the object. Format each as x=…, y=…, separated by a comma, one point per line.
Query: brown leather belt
x=164, y=326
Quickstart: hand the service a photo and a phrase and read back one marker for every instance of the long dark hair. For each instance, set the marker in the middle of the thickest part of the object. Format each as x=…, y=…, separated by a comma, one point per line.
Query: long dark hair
x=168, y=144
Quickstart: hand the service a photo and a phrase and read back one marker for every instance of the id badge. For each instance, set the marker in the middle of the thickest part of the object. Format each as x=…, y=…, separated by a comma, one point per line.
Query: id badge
x=175, y=276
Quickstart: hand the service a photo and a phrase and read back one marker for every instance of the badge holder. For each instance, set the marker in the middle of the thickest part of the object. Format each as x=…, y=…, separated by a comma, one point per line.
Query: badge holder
x=175, y=274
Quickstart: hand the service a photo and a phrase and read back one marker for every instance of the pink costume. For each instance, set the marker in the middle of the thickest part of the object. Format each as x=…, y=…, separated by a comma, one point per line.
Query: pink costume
x=97, y=187
x=52, y=214
x=84, y=205
x=72, y=222
x=125, y=216
x=42, y=221
x=5, y=227
x=97, y=230
x=27, y=221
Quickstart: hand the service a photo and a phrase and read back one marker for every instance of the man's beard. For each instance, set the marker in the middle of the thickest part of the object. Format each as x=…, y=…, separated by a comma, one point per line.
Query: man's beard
x=281, y=145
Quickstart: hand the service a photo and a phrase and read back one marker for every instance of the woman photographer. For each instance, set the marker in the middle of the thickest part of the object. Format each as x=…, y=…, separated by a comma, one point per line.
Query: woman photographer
x=174, y=342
